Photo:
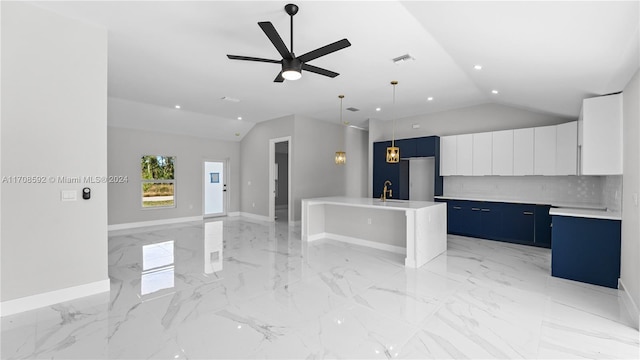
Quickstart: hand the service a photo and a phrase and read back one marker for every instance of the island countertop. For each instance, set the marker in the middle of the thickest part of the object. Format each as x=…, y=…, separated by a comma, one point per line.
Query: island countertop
x=374, y=203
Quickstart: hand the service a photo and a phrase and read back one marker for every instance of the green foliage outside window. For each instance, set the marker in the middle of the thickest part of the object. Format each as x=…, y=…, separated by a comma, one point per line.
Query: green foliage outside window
x=158, y=180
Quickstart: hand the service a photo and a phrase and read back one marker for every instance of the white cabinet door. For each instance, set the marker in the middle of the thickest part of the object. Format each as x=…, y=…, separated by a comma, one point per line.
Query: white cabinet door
x=567, y=148
x=448, y=157
x=464, y=148
x=502, y=153
x=602, y=135
x=482, y=154
x=544, y=150
x=523, y=151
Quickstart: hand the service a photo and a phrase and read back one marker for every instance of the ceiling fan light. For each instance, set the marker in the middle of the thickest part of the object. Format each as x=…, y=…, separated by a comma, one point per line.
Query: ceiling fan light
x=291, y=75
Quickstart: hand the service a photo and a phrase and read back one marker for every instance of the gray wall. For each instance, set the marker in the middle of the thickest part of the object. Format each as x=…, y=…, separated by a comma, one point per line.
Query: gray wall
x=254, y=163
x=472, y=119
x=313, y=169
x=630, y=260
x=54, y=123
x=315, y=173
x=126, y=146
x=357, y=149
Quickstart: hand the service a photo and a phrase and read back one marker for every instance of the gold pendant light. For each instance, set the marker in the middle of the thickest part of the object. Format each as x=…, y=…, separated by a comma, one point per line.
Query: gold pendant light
x=341, y=156
x=393, y=152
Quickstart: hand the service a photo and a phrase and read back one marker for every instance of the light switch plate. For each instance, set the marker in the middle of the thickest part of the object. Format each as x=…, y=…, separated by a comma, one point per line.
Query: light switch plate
x=68, y=195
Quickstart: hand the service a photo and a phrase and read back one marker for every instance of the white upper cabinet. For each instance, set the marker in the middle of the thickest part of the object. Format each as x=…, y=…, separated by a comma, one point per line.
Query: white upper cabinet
x=482, y=149
x=523, y=151
x=567, y=148
x=502, y=153
x=464, y=149
x=601, y=135
x=544, y=150
x=448, y=155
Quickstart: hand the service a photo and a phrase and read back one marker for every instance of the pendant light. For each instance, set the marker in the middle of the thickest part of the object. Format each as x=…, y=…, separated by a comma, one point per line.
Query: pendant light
x=341, y=156
x=393, y=152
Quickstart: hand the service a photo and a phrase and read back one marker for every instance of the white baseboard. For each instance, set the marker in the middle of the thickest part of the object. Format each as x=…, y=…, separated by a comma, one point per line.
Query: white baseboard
x=134, y=225
x=358, y=241
x=233, y=213
x=295, y=223
x=255, y=216
x=629, y=304
x=37, y=301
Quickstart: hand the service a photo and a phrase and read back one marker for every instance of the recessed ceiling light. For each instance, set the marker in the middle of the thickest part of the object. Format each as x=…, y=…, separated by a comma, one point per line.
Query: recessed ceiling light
x=494, y=91
x=430, y=98
x=477, y=67
x=378, y=109
x=237, y=134
x=177, y=106
x=239, y=117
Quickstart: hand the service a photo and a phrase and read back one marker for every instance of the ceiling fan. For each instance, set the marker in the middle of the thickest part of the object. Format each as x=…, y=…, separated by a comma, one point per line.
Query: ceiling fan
x=292, y=65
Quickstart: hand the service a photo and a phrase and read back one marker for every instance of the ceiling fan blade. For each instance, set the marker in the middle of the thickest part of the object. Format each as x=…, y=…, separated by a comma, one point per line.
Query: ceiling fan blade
x=279, y=78
x=328, y=49
x=317, y=70
x=275, y=38
x=248, y=58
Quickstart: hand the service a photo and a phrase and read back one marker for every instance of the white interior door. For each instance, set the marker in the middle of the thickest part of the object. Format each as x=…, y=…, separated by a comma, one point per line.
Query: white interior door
x=215, y=188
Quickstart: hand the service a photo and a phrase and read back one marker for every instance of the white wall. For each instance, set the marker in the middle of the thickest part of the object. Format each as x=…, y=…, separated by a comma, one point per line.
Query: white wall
x=126, y=146
x=54, y=123
x=630, y=260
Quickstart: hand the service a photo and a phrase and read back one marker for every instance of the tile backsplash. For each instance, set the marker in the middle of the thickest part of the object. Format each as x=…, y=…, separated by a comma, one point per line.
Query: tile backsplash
x=602, y=191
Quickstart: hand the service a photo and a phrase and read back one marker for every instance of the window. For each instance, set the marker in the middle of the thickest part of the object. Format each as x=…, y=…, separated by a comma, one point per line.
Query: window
x=158, y=181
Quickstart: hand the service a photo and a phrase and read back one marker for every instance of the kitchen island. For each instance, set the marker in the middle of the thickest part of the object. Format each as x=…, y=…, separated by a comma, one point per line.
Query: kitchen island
x=417, y=229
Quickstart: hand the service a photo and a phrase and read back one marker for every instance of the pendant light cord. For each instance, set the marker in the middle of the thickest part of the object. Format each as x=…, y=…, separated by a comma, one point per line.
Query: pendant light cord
x=393, y=136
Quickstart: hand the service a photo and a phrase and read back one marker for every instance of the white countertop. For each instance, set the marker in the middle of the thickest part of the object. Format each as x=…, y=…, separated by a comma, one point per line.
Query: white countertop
x=586, y=213
x=392, y=204
x=520, y=201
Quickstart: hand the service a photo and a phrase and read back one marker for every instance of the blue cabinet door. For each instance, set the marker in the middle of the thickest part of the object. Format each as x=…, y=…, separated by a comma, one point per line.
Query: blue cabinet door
x=455, y=217
x=491, y=214
x=519, y=223
x=407, y=147
x=586, y=250
x=382, y=170
x=543, y=226
x=426, y=146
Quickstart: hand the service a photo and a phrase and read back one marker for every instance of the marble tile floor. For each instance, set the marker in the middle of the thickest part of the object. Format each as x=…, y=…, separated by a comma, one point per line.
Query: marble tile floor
x=238, y=289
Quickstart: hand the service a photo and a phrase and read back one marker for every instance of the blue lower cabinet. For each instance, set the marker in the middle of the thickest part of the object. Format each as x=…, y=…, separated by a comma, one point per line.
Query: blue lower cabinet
x=517, y=223
x=586, y=250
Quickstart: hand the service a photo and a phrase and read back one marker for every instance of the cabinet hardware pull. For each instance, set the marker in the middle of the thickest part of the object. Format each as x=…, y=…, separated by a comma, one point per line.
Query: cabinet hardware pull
x=457, y=207
x=527, y=213
x=475, y=209
x=485, y=210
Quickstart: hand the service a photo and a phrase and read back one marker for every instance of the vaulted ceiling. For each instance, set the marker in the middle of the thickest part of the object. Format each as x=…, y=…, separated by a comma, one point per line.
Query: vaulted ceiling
x=542, y=56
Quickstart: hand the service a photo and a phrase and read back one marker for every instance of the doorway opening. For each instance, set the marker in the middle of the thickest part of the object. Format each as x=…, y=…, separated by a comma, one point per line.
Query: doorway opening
x=280, y=176
x=214, y=200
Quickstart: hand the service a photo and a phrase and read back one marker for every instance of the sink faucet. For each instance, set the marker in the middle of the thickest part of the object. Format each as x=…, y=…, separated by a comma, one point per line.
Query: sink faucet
x=383, y=197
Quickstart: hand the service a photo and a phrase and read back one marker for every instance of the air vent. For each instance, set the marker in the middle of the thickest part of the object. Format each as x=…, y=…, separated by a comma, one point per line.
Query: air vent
x=227, y=98
x=353, y=109
x=403, y=58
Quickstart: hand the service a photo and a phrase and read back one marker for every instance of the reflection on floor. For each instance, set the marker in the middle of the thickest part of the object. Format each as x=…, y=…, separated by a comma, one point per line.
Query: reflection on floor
x=282, y=214
x=181, y=291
